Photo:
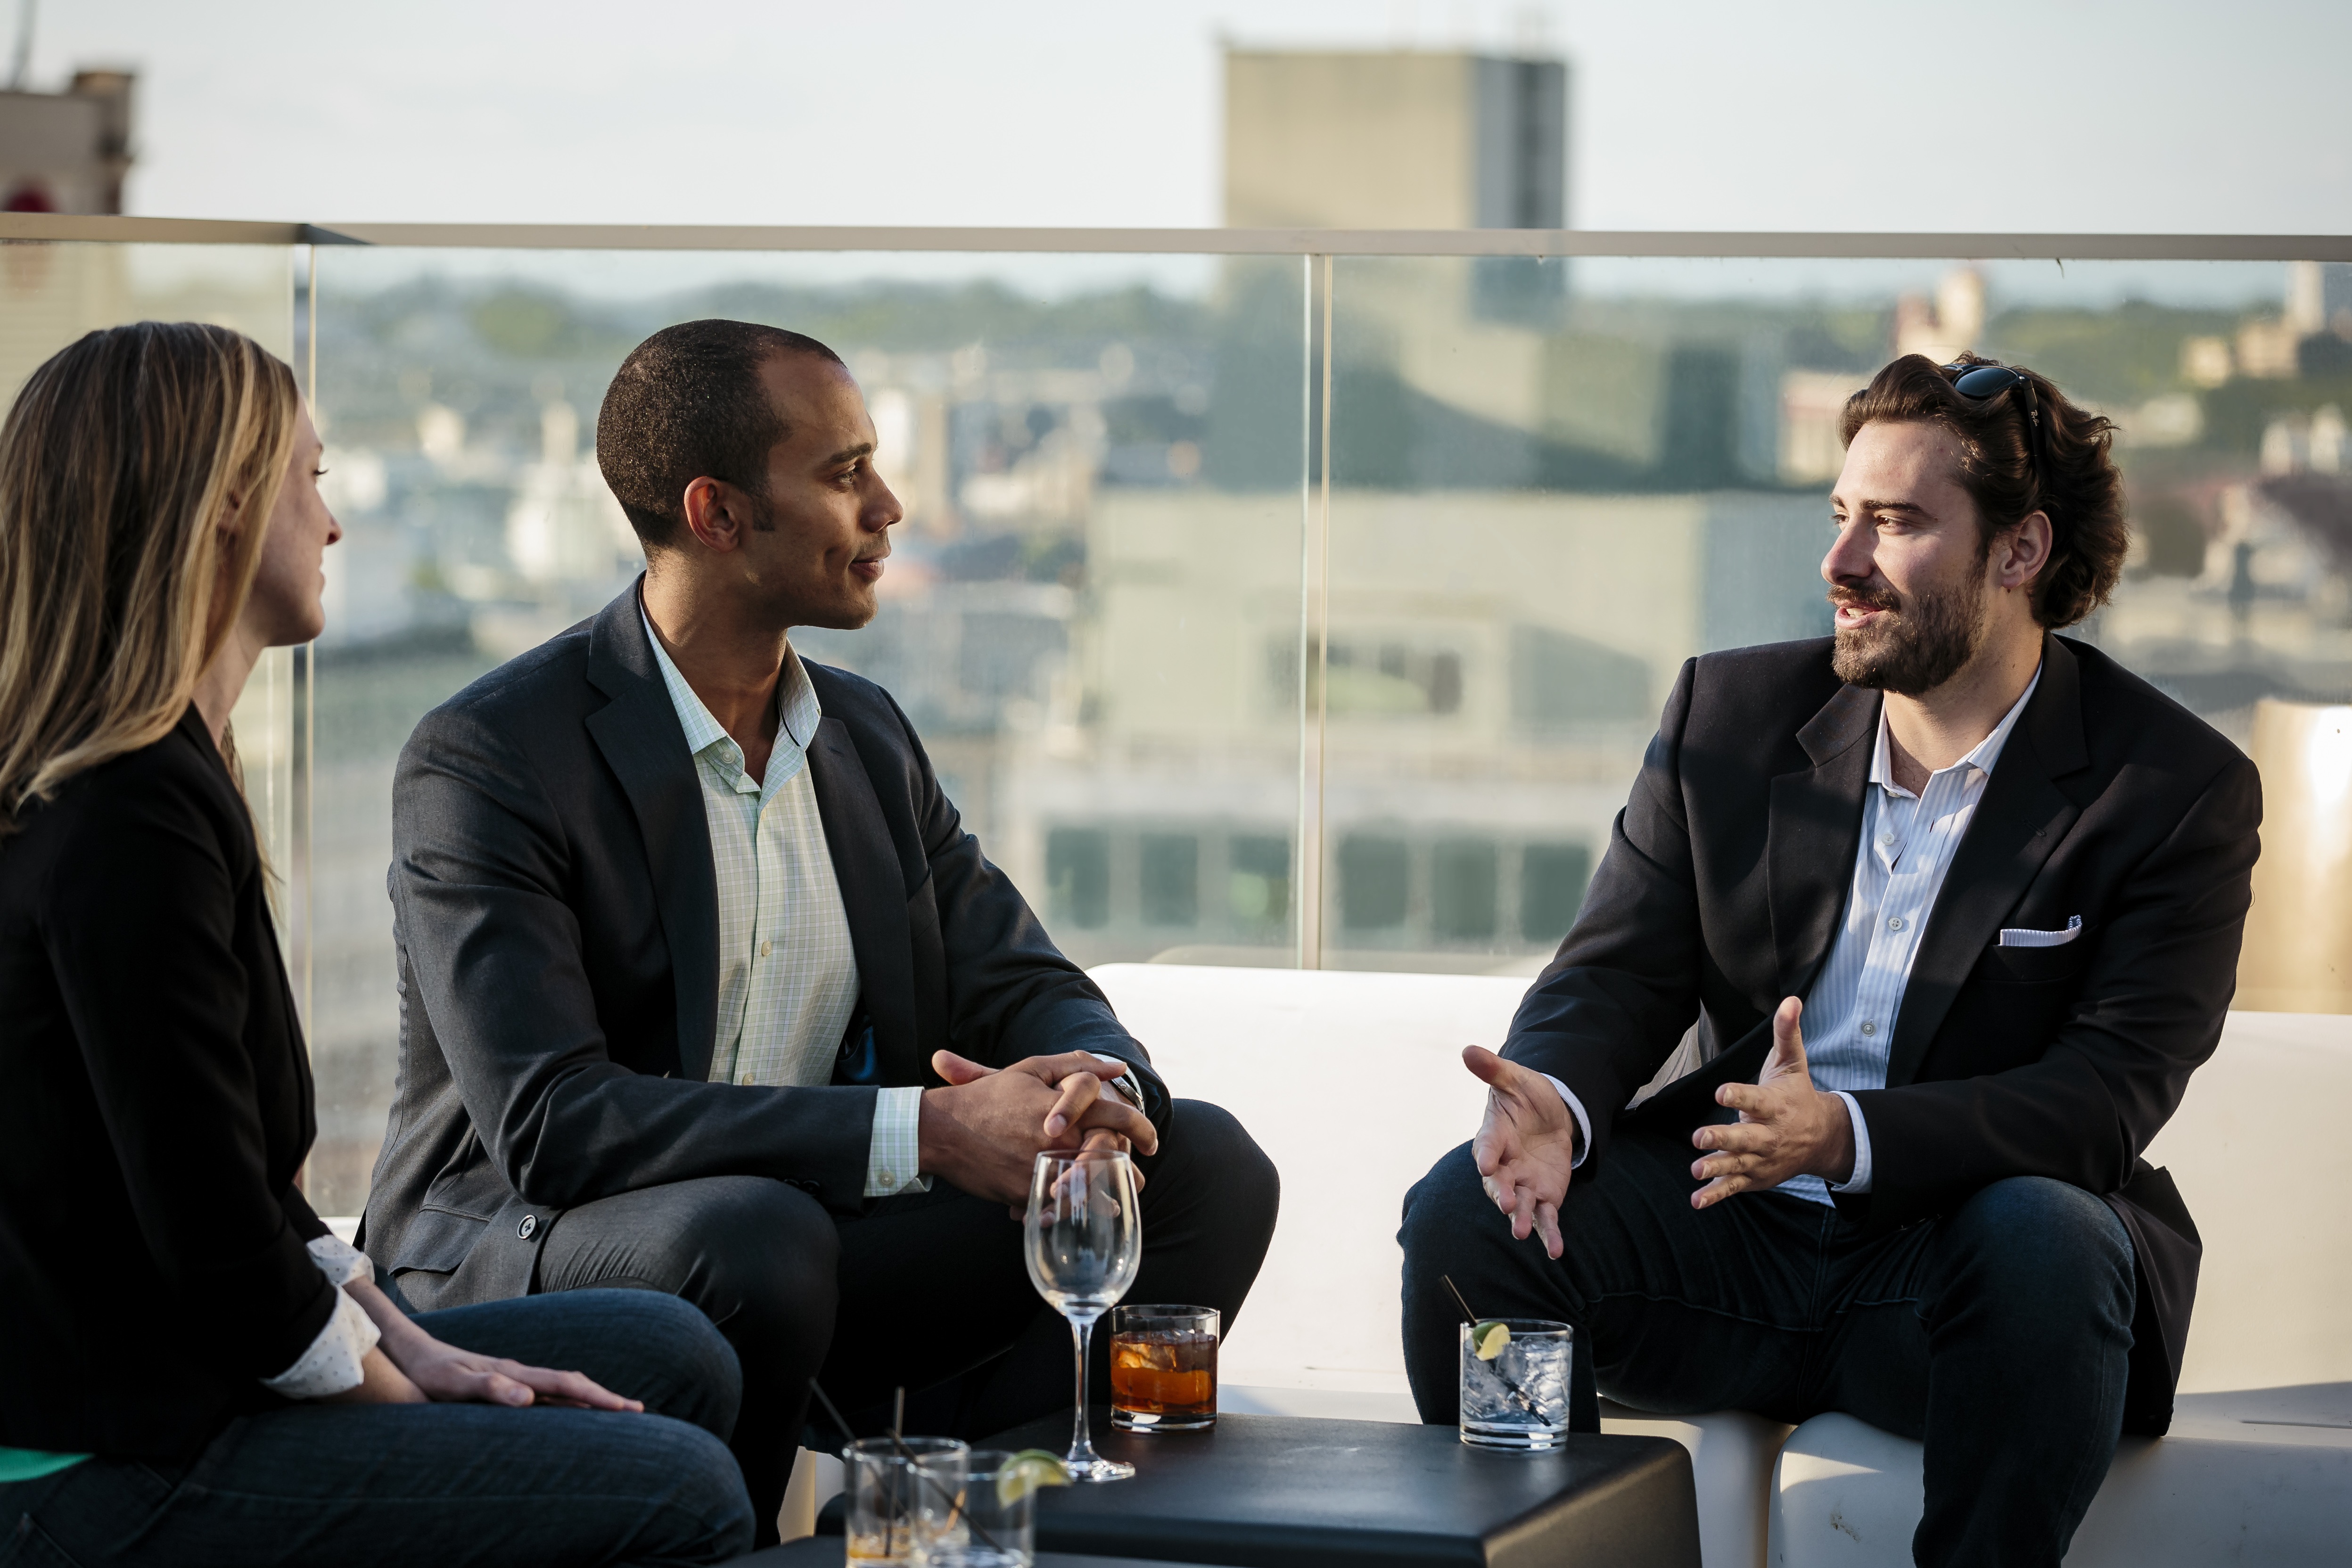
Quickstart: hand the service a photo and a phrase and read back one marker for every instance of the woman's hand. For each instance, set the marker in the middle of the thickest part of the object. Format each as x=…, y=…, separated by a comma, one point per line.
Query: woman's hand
x=428, y=1369
x=381, y=1383
x=450, y=1376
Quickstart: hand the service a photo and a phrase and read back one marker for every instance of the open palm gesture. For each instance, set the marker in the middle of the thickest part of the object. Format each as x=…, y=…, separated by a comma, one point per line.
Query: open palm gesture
x=1525, y=1145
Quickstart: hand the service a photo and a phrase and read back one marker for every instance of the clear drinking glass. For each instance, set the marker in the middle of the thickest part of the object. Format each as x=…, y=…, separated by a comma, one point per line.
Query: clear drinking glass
x=886, y=1488
x=982, y=1515
x=1085, y=1239
x=1517, y=1398
x=1163, y=1368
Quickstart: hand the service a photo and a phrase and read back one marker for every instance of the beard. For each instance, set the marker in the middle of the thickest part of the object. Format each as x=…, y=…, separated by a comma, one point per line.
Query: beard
x=1915, y=647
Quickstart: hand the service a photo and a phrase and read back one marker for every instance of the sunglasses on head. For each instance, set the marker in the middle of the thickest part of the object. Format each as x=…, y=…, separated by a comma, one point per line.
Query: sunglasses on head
x=1982, y=383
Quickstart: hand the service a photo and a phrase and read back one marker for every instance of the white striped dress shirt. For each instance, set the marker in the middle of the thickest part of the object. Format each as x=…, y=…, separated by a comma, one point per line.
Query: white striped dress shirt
x=787, y=971
x=1908, y=844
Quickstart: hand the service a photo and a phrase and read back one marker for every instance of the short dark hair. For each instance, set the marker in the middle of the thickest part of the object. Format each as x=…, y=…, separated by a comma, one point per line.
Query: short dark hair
x=687, y=403
x=2076, y=482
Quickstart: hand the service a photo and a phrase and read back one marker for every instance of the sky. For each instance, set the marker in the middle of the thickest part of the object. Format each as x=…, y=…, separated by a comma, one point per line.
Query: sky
x=1998, y=116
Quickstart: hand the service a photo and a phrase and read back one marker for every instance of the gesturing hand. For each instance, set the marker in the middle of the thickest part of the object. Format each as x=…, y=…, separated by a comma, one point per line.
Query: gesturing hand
x=1786, y=1127
x=983, y=1131
x=1526, y=1145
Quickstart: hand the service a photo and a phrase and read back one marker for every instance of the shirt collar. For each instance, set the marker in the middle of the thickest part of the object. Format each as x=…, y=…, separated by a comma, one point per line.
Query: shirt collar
x=796, y=703
x=1987, y=752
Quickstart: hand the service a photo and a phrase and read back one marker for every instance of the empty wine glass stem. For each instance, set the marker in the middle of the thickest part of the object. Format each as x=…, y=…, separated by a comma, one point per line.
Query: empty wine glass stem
x=1082, y=1447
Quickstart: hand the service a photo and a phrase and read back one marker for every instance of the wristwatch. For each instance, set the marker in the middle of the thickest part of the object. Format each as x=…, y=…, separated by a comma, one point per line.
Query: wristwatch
x=1129, y=1089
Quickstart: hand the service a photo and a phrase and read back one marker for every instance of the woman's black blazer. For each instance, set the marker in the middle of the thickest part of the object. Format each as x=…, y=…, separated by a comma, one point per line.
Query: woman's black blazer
x=154, y=1108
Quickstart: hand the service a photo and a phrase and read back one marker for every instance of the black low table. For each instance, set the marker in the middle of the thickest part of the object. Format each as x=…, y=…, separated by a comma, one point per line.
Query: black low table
x=1278, y=1491
x=825, y=1552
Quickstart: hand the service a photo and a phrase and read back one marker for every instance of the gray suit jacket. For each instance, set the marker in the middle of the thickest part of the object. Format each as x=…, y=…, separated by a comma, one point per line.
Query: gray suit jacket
x=556, y=912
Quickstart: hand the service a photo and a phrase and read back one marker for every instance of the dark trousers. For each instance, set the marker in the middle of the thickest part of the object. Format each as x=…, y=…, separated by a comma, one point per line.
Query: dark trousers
x=356, y=1485
x=925, y=1292
x=1998, y=1335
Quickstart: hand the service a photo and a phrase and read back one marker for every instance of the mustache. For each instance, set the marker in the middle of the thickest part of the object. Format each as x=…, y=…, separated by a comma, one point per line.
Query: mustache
x=1865, y=597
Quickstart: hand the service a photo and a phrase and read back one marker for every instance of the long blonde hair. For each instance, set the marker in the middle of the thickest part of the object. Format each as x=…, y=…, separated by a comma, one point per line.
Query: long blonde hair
x=138, y=468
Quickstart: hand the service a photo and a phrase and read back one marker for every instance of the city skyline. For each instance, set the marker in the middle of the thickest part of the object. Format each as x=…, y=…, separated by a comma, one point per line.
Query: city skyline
x=2179, y=118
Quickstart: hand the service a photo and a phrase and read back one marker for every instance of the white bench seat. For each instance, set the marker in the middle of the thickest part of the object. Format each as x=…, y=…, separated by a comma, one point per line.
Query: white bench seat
x=1353, y=1083
x=2260, y=1479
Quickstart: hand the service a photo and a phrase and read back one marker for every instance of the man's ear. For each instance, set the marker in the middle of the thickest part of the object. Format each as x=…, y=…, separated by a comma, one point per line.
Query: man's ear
x=717, y=513
x=2020, y=554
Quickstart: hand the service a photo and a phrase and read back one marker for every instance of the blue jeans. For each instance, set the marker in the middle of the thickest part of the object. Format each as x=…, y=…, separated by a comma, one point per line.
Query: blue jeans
x=350, y=1485
x=1997, y=1333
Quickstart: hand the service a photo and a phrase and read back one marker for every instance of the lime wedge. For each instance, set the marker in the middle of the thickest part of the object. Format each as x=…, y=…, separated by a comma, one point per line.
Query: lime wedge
x=1025, y=1472
x=1489, y=1338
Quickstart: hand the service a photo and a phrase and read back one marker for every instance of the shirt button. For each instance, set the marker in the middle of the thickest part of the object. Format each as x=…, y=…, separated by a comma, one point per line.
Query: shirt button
x=886, y=1179
x=528, y=1226
x=747, y=1080
x=1887, y=837
x=765, y=948
x=1868, y=1027
x=1894, y=922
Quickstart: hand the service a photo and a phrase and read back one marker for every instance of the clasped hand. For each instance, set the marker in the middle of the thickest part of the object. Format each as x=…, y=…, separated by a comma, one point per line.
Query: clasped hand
x=984, y=1131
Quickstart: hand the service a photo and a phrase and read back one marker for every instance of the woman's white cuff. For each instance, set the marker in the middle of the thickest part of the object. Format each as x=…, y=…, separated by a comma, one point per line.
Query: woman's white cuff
x=341, y=1261
x=332, y=1364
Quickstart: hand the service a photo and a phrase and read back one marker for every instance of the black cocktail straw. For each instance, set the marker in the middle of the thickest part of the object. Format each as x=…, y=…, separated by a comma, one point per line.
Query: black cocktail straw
x=1526, y=1402
x=898, y=1415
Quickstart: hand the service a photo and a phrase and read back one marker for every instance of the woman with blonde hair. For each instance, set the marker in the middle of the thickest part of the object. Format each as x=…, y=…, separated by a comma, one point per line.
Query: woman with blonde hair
x=192, y=1369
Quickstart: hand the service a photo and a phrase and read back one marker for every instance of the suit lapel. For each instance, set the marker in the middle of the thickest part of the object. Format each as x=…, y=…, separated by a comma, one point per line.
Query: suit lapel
x=2020, y=819
x=644, y=746
x=873, y=896
x=1815, y=824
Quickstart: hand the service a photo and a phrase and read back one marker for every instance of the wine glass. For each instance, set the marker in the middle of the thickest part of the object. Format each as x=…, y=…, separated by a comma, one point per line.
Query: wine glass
x=1085, y=1237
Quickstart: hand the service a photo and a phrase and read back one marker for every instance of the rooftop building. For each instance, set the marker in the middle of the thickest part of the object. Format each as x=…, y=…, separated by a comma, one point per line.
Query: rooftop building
x=67, y=151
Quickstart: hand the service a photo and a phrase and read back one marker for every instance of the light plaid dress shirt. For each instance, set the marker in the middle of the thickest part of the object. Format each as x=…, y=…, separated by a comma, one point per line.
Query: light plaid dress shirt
x=787, y=973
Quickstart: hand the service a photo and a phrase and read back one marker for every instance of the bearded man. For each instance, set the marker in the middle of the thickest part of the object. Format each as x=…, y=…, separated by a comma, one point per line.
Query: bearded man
x=1954, y=904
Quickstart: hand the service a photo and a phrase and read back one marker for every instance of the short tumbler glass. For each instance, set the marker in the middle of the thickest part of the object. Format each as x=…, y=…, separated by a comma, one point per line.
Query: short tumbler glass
x=977, y=1512
x=885, y=1492
x=1163, y=1368
x=1519, y=1398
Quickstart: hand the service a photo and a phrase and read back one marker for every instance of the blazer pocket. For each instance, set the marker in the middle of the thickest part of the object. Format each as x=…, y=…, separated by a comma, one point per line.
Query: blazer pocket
x=2031, y=965
x=2029, y=937
x=437, y=1241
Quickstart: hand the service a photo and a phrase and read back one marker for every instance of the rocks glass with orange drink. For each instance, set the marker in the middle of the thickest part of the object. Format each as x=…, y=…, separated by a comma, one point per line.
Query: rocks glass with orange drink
x=1163, y=1368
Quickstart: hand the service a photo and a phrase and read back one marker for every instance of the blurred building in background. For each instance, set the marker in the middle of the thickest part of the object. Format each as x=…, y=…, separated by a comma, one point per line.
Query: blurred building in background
x=66, y=152
x=1394, y=139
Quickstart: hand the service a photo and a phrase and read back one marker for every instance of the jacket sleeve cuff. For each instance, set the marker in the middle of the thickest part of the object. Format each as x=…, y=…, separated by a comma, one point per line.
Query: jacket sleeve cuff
x=894, y=1158
x=332, y=1364
x=1859, y=1182
x=1583, y=1122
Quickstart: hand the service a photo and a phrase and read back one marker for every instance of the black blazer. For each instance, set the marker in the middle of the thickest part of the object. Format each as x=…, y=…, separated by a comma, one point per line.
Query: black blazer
x=557, y=916
x=154, y=1107
x=1727, y=877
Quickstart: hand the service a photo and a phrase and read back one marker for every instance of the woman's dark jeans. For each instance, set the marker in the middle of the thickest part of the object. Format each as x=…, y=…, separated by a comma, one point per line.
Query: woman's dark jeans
x=400, y=1485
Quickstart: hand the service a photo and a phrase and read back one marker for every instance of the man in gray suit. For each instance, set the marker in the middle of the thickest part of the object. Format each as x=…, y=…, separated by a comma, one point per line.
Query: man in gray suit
x=705, y=989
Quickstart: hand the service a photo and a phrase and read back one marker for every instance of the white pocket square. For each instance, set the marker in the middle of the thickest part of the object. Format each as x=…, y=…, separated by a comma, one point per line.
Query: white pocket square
x=2026, y=937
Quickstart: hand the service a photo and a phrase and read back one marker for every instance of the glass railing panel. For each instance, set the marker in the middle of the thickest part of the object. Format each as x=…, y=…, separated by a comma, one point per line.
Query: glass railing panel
x=1091, y=614
x=1553, y=482
x=53, y=292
